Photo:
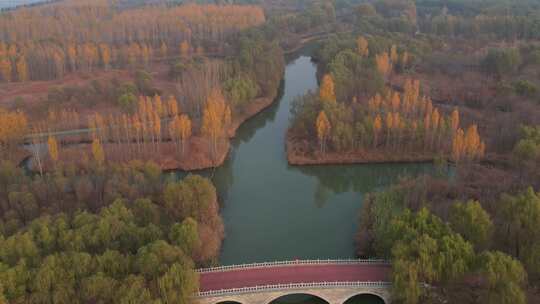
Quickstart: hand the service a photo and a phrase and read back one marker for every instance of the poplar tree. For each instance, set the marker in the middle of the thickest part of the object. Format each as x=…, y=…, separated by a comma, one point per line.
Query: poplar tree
x=184, y=129
x=384, y=65
x=97, y=151
x=323, y=129
x=327, y=91
x=213, y=121
x=53, y=148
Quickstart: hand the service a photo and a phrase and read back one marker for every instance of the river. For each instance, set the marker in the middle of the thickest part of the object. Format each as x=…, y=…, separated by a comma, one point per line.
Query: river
x=273, y=211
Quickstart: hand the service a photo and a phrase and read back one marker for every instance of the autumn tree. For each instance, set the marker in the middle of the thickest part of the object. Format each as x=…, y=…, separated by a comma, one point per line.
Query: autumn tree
x=180, y=130
x=323, y=129
x=97, y=151
x=213, y=122
x=458, y=145
x=327, y=91
x=384, y=65
x=13, y=128
x=53, y=148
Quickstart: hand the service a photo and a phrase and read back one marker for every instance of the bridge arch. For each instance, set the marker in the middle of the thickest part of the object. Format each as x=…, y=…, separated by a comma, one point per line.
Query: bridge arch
x=275, y=299
x=365, y=296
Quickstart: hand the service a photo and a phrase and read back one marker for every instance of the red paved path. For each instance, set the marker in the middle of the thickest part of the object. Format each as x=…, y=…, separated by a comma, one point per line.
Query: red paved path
x=294, y=274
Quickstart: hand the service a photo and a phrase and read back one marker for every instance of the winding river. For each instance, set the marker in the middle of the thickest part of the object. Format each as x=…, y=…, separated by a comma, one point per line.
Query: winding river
x=273, y=211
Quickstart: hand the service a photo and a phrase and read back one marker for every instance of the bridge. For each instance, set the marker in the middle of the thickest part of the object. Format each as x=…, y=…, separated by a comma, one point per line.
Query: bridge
x=334, y=281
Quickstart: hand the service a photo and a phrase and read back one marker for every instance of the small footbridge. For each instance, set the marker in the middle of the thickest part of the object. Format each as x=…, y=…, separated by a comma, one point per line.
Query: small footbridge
x=334, y=281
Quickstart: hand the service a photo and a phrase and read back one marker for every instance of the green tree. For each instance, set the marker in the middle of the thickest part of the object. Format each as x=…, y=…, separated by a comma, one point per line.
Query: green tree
x=133, y=291
x=239, y=91
x=472, y=222
x=178, y=284
x=505, y=278
x=426, y=251
x=146, y=212
x=499, y=62
x=155, y=258
x=520, y=219
x=99, y=288
x=3, y=299
x=191, y=197
x=127, y=102
x=186, y=236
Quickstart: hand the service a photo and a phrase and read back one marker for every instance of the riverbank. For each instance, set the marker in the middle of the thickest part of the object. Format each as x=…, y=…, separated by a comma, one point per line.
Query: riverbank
x=197, y=154
x=300, y=153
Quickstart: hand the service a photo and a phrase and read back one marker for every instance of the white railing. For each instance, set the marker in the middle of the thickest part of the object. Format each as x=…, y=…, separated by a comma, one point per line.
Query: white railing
x=292, y=286
x=293, y=263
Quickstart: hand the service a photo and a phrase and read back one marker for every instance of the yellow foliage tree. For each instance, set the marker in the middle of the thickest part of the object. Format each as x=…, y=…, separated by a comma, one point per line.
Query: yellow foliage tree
x=323, y=129
x=97, y=151
x=383, y=63
x=13, y=128
x=52, y=145
x=158, y=105
x=458, y=145
x=474, y=147
x=327, y=90
x=214, y=118
x=184, y=130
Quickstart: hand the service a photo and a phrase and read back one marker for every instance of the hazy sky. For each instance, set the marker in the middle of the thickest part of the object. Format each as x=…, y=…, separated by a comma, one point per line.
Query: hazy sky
x=8, y=3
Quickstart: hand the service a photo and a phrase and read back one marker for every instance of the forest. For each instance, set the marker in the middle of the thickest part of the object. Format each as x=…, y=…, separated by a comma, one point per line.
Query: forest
x=110, y=234
x=46, y=42
x=174, y=92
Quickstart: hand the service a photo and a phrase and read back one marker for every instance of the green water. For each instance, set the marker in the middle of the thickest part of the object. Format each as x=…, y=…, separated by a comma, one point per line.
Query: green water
x=273, y=211
x=308, y=299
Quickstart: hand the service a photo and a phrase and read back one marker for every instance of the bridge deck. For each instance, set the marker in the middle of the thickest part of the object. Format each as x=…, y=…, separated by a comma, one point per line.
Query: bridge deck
x=251, y=277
